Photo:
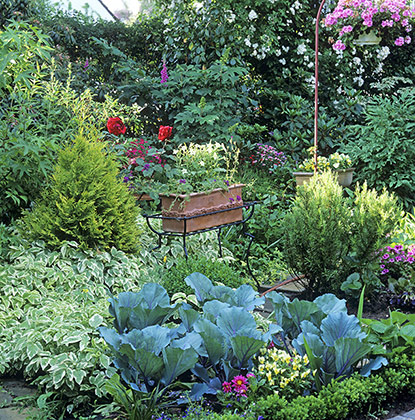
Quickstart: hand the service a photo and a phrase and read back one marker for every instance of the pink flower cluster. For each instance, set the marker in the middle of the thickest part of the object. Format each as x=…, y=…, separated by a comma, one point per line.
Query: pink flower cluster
x=392, y=13
x=239, y=385
x=139, y=150
x=392, y=258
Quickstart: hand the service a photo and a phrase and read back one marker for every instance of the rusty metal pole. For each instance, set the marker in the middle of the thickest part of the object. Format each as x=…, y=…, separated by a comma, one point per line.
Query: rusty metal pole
x=316, y=86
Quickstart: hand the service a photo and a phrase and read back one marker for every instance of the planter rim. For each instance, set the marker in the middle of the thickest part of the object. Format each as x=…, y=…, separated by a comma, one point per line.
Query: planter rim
x=195, y=194
x=335, y=170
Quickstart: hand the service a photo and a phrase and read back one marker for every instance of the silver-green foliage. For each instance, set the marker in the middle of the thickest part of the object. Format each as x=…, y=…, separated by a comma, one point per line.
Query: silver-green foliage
x=51, y=304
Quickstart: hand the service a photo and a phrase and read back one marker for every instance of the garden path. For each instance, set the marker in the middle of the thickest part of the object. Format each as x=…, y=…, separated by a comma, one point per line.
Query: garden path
x=11, y=389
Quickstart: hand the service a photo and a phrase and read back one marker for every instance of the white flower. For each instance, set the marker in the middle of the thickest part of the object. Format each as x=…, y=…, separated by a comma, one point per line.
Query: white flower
x=282, y=61
x=278, y=53
x=356, y=61
x=252, y=15
x=231, y=17
x=201, y=163
x=286, y=49
x=301, y=49
x=197, y=5
x=166, y=22
x=247, y=42
x=255, y=46
x=358, y=80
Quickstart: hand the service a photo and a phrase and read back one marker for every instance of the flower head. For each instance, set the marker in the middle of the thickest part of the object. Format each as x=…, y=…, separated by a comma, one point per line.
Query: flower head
x=164, y=75
x=165, y=132
x=116, y=126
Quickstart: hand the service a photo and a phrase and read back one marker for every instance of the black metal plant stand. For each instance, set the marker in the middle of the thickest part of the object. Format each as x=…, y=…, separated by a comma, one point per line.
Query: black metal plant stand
x=248, y=205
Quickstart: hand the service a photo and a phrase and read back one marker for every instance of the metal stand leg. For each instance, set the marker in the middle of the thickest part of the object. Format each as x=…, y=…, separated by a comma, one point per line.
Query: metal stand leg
x=247, y=258
x=220, y=243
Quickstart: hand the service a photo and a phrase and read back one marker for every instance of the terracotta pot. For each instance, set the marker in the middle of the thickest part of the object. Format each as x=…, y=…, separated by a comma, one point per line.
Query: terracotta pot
x=198, y=204
x=344, y=177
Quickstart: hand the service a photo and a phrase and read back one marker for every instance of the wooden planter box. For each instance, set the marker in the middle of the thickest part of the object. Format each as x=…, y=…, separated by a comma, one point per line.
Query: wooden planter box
x=197, y=205
x=344, y=177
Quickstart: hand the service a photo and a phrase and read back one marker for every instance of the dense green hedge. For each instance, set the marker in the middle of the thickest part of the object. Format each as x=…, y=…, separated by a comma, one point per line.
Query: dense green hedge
x=340, y=400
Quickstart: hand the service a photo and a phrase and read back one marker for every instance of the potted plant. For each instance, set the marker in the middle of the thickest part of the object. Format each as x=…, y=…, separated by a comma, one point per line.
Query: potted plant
x=204, y=183
x=368, y=22
x=340, y=163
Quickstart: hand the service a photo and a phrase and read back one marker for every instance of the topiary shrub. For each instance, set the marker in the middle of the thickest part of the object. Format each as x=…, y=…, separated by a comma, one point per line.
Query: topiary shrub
x=218, y=271
x=84, y=203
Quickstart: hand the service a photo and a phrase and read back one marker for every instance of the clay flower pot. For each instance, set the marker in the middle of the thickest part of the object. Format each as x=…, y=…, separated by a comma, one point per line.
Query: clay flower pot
x=196, y=205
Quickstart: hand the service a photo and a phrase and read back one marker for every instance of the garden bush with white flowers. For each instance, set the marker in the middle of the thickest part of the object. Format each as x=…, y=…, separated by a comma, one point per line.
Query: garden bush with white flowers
x=90, y=313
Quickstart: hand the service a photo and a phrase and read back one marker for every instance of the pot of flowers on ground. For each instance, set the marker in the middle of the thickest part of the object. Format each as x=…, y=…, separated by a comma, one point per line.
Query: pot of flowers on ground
x=340, y=163
x=361, y=22
x=203, y=193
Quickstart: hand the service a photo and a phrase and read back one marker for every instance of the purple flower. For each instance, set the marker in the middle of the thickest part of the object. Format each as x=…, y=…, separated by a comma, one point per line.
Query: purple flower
x=164, y=75
x=182, y=181
x=86, y=65
x=231, y=200
x=146, y=167
x=238, y=197
x=227, y=183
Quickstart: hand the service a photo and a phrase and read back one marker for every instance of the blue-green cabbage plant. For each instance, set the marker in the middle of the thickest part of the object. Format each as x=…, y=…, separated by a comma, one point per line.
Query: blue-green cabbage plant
x=333, y=340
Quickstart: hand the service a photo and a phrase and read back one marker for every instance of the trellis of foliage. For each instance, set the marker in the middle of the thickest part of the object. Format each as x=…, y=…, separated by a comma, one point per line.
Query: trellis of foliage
x=85, y=202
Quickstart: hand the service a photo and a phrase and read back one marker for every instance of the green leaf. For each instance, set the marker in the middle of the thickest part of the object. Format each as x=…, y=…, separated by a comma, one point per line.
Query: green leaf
x=95, y=321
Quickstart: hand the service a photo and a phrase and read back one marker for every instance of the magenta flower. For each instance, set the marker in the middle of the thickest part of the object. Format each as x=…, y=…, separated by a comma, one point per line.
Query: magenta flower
x=239, y=383
x=227, y=387
x=399, y=41
x=164, y=75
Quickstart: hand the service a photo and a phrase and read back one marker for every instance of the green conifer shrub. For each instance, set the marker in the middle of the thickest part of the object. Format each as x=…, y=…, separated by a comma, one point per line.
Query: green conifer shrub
x=84, y=202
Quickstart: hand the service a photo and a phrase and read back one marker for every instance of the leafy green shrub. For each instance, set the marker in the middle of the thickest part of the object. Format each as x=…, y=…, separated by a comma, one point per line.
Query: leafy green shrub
x=218, y=271
x=85, y=202
x=384, y=147
x=315, y=234
x=326, y=236
x=346, y=399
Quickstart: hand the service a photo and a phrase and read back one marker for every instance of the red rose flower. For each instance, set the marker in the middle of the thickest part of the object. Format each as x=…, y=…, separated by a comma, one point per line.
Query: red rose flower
x=165, y=132
x=116, y=126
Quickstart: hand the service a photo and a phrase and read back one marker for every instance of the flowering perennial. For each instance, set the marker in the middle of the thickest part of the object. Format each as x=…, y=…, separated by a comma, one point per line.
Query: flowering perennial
x=391, y=17
x=284, y=374
x=268, y=157
x=395, y=260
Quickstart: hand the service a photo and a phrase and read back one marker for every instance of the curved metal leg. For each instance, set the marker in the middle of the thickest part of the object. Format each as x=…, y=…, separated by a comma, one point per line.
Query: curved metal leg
x=247, y=257
x=220, y=243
